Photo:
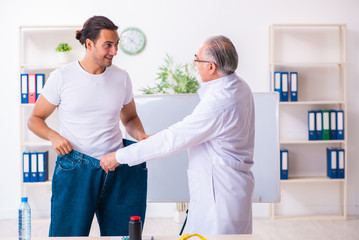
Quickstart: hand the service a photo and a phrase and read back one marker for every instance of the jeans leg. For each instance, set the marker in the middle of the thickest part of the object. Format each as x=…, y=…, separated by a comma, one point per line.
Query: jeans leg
x=124, y=195
x=75, y=188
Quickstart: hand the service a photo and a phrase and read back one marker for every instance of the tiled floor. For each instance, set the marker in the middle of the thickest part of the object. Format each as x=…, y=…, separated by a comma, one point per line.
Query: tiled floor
x=288, y=229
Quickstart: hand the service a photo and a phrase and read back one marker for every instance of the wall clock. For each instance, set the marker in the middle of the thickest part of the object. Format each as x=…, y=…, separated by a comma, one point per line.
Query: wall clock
x=132, y=41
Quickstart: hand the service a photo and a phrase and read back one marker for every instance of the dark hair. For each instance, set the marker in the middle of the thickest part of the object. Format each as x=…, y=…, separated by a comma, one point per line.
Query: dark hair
x=222, y=51
x=92, y=28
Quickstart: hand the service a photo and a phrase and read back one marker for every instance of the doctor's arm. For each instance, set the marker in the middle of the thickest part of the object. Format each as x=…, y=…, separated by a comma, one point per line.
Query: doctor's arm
x=194, y=129
x=36, y=123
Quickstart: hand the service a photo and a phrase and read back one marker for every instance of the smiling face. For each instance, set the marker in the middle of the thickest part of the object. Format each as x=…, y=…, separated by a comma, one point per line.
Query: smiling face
x=105, y=48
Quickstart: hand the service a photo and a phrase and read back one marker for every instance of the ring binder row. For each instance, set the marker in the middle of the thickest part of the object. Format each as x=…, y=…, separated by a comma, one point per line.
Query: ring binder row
x=326, y=125
x=286, y=84
x=35, y=166
x=31, y=86
x=284, y=164
x=335, y=163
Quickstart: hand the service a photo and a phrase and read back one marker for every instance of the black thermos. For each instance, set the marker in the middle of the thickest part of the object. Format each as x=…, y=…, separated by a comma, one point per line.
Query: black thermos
x=135, y=228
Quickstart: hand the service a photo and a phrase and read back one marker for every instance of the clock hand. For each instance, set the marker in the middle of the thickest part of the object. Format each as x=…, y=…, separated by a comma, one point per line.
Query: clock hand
x=132, y=40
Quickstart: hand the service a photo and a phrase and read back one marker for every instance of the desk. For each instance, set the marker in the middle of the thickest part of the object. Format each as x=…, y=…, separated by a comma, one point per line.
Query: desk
x=213, y=237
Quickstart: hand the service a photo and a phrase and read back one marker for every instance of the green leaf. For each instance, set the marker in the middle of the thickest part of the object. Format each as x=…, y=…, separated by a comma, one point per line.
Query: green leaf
x=174, y=78
x=63, y=47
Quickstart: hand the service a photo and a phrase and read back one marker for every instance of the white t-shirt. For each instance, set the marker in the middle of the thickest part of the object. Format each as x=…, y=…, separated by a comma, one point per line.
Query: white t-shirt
x=89, y=106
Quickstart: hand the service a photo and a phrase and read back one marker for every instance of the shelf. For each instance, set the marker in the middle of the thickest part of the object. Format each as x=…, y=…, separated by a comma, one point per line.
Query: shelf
x=312, y=217
x=308, y=25
x=46, y=183
x=317, y=52
x=27, y=104
x=37, y=55
x=304, y=141
x=308, y=64
x=311, y=180
x=331, y=102
x=49, y=28
x=42, y=66
x=47, y=143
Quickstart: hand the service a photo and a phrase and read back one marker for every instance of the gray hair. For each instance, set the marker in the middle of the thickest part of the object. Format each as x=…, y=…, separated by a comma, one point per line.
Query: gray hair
x=222, y=52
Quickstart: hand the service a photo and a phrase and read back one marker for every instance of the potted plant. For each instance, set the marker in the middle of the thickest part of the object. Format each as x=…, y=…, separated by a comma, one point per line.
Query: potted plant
x=174, y=79
x=63, y=50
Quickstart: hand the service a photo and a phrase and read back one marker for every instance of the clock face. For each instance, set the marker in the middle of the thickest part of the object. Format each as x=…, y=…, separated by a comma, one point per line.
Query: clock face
x=132, y=41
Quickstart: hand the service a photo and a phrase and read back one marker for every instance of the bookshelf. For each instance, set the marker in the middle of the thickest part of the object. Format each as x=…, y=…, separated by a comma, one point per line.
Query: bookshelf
x=38, y=55
x=318, y=53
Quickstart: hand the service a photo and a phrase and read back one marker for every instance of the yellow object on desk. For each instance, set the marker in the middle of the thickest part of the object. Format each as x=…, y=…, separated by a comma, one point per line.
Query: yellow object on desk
x=188, y=235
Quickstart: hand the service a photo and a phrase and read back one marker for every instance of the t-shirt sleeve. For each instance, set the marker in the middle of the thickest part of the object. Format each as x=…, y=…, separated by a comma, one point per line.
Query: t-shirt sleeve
x=128, y=86
x=52, y=88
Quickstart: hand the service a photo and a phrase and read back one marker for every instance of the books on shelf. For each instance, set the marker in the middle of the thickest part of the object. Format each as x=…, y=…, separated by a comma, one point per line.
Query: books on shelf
x=326, y=125
x=286, y=84
x=335, y=163
x=293, y=86
x=35, y=166
x=284, y=163
x=31, y=86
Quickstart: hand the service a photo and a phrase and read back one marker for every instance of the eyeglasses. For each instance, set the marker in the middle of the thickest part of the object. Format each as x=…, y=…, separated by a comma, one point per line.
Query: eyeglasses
x=197, y=60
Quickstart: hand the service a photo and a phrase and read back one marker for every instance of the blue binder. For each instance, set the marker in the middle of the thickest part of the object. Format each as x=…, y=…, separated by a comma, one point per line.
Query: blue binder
x=325, y=125
x=33, y=167
x=284, y=163
x=277, y=84
x=332, y=163
x=43, y=166
x=24, y=88
x=284, y=87
x=333, y=124
x=294, y=86
x=340, y=125
x=26, y=166
x=318, y=125
x=311, y=125
x=40, y=81
x=341, y=163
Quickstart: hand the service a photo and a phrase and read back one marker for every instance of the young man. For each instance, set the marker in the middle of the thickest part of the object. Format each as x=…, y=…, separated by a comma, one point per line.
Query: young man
x=91, y=97
x=220, y=137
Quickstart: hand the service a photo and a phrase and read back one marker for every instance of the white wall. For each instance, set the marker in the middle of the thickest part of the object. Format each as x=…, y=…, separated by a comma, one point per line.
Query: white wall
x=177, y=28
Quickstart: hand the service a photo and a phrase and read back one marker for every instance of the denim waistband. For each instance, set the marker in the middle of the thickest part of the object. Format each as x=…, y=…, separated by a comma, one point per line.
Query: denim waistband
x=83, y=157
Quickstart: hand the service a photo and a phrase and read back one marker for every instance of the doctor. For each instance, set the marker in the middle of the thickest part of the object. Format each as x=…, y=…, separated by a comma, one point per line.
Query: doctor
x=219, y=135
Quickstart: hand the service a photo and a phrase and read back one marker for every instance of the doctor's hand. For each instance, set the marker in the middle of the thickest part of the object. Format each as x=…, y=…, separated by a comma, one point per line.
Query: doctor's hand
x=108, y=162
x=143, y=137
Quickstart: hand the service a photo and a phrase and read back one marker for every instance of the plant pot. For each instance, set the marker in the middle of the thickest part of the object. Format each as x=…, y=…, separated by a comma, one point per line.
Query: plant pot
x=63, y=57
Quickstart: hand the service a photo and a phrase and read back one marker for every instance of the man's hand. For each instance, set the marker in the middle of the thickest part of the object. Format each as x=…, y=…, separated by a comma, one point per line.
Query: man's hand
x=60, y=144
x=108, y=162
x=36, y=123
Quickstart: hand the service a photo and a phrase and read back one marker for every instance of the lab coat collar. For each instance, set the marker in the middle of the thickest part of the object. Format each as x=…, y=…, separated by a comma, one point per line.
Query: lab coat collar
x=206, y=87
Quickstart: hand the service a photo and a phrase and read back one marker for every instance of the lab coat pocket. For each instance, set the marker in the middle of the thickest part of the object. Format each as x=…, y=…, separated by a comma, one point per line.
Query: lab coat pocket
x=193, y=185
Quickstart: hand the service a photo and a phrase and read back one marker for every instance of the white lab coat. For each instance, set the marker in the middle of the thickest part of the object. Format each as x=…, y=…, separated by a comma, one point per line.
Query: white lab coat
x=220, y=137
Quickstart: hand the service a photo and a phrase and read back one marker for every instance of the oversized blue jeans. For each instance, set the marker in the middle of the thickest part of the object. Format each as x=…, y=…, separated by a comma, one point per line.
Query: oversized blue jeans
x=81, y=188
